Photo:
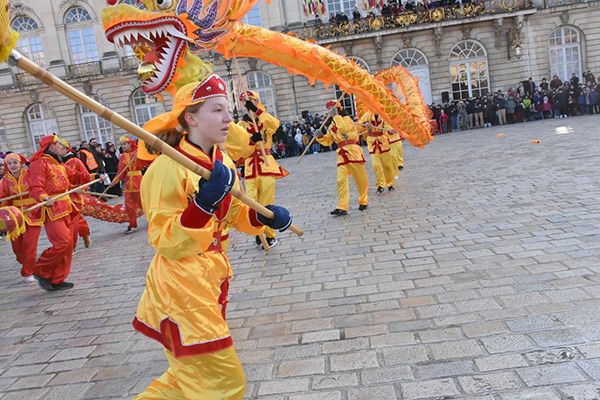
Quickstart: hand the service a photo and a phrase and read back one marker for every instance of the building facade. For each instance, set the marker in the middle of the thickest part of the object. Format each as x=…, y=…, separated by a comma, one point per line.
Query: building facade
x=457, y=50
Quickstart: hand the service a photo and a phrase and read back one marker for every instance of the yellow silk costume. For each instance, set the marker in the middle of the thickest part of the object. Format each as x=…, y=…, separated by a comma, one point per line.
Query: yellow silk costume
x=260, y=177
x=397, y=151
x=379, y=148
x=350, y=160
x=183, y=305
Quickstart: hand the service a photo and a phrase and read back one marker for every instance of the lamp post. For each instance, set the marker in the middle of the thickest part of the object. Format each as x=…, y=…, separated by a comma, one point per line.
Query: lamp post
x=236, y=116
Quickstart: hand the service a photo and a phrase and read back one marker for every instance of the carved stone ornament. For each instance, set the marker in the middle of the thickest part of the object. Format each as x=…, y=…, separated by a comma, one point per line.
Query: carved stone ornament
x=407, y=39
x=252, y=63
x=378, y=42
x=466, y=29
x=564, y=17
x=347, y=48
x=35, y=96
x=88, y=87
x=437, y=36
x=497, y=24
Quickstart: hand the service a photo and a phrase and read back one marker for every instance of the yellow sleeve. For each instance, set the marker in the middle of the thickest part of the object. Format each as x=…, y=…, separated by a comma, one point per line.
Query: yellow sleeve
x=270, y=122
x=326, y=140
x=166, y=191
x=238, y=142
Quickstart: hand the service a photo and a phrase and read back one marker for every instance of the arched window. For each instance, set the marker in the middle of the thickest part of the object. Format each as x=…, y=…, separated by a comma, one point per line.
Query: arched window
x=261, y=83
x=253, y=16
x=347, y=101
x=415, y=62
x=564, y=46
x=345, y=6
x=143, y=108
x=30, y=42
x=80, y=33
x=469, y=70
x=42, y=122
x=95, y=126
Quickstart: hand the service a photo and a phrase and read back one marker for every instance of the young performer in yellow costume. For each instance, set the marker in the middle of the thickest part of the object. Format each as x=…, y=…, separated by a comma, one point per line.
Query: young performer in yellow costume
x=340, y=129
x=260, y=177
x=375, y=130
x=397, y=152
x=183, y=305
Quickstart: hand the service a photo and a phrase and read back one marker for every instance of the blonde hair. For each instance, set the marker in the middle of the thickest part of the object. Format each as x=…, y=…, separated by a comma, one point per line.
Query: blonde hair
x=172, y=137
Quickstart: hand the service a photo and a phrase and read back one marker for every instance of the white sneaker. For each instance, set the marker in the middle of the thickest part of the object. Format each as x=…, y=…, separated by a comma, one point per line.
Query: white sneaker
x=29, y=279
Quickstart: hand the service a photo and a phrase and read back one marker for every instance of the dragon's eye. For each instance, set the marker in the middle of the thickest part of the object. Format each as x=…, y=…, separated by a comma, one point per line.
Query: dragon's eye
x=164, y=4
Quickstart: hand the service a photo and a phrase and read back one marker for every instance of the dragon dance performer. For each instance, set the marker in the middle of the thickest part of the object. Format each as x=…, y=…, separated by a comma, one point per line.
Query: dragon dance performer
x=48, y=176
x=260, y=177
x=14, y=182
x=133, y=179
x=79, y=225
x=183, y=305
x=379, y=147
x=397, y=152
x=340, y=129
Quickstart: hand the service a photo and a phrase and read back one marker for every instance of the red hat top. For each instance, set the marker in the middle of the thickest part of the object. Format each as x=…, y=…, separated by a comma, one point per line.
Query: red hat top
x=330, y=103
x=248, y=95
x=44, y=143
x=212, y=86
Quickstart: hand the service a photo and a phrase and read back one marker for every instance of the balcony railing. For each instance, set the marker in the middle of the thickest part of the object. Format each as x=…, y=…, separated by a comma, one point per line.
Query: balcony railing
x=421, y=15
x=25, y=79
x=85, y=69
x=130, y=63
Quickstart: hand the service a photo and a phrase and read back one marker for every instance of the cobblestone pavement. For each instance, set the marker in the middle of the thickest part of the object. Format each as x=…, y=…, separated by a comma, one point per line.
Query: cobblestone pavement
x=477, y=278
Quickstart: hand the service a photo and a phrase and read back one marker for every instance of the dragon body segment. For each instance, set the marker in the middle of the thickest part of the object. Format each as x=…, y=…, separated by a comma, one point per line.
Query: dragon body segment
x=167, y=48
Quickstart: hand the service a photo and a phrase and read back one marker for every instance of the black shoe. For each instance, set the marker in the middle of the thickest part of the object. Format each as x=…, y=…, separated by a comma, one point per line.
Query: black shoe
x=362, y=207
x=272, y=242
x=257, y=240
x=337, y=211
x=391, y=188
x=400, y=167
x=379, y=189
x=63, y=286
x=44, y=283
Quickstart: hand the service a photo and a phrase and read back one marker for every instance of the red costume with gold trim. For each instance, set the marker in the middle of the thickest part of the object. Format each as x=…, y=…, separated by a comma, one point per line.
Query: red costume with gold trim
x=24, y=246
x=79, y=224
x=48, y=177
x=133, y=179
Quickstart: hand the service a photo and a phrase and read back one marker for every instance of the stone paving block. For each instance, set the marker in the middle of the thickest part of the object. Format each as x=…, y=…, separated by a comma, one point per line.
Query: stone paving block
x=353, y=361
x=109, y=388
x=591, y=367
x=506, y=343
x=550, y=374
x=489, y=382
x=581, y=392
x=455, y=349
x=405, y=355
x=68, y=392
x=31, y=382
x=500, y=361
x=288, y=369
x=387, y=392
x=530, y=394
x=430, y=388
x=75, y=376
x=440, y=335
x=283, y=386
x=444, y=369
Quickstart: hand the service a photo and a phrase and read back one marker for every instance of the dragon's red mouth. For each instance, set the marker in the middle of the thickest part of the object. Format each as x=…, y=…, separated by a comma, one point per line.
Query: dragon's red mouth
x=160, y=42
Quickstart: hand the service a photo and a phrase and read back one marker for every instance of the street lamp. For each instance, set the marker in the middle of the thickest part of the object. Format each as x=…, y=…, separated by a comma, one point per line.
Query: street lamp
x=236, y=116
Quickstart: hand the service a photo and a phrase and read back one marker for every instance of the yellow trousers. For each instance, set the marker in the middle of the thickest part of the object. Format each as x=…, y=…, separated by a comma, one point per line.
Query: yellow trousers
x=262, y=189
x=398, y=154
x=212, y=376
x=384, y=169
x=359, y=173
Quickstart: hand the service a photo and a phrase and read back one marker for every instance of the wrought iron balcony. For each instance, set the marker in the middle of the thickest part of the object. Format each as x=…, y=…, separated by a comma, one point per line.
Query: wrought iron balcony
x=25, y=79
x=421, y=15
x=130, y=63
x=85, y=69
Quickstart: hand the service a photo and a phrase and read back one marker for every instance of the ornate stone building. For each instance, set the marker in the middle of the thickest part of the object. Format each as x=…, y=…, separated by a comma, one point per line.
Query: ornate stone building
x=456, y=51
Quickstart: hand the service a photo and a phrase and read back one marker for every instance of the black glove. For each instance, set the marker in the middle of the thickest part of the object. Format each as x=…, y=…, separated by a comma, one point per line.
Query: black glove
x=256, y=137
x=325, y=127
x=281, y=221
x=211, y=192
x=250, y=106
x=144, y=170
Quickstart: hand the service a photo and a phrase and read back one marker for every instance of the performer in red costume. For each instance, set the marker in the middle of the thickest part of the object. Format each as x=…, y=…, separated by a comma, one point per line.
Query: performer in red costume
x=14, y=182
x=49, y=177
x=133, y=179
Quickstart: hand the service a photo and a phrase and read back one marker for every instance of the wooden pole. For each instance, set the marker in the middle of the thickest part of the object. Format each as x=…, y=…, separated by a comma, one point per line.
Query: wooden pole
x=64, y=88
x=120, y=173
x=112, y=196
x=250, y=113
x=14, y=196
x=43, y=203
